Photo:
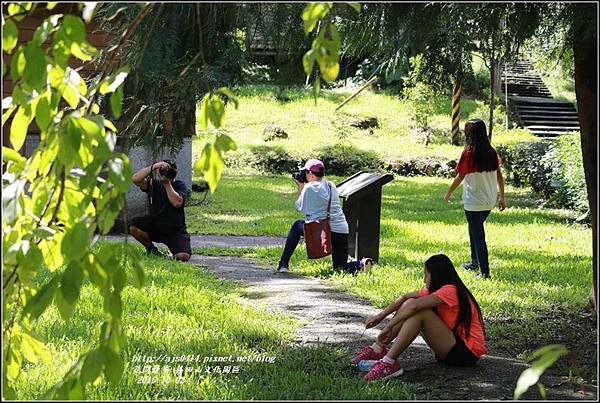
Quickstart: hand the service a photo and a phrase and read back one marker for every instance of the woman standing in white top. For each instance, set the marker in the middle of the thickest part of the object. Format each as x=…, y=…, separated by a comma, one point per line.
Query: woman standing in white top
x=479, y=166
x=312, y=200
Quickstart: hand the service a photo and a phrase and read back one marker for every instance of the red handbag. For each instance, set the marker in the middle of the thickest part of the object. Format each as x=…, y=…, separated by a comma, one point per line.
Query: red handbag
x=317, y=235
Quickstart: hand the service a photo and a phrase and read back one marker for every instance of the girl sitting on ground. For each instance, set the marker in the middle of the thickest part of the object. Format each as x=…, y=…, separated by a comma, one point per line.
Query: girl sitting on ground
x=444, y=312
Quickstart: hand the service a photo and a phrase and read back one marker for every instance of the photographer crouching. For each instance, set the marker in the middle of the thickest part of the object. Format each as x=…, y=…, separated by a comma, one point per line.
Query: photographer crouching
x=166, y=221
x=314, y=198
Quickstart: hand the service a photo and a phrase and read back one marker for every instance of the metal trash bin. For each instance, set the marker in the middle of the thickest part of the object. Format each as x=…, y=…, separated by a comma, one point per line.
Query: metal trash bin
x=361, y=194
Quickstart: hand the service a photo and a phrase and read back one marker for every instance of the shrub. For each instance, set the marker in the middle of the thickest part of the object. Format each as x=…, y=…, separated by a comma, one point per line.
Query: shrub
x=343, y=159
x=522, y=161
x=564, y=161
x=552, y=167
x=430, y=166
x=273, y=159
x=257, y=73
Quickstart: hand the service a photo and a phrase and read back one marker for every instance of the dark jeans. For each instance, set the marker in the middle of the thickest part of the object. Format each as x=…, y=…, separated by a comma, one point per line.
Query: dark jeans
x=339, y=245
x=479, y=251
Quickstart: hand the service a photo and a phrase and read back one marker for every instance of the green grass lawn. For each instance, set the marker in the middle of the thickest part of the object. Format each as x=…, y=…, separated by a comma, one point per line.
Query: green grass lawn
x=311, y=127
x=540, y=260
x=183, y=310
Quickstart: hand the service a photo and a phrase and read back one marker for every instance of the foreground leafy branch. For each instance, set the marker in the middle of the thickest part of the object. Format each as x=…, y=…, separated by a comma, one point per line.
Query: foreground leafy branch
x=55, y=201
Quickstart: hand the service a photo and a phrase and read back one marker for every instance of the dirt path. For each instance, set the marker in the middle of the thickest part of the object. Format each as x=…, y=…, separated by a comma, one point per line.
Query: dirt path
x=336, y=318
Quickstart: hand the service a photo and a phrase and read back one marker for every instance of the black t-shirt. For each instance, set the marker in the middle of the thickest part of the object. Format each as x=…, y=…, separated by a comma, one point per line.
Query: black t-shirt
x=167, y=216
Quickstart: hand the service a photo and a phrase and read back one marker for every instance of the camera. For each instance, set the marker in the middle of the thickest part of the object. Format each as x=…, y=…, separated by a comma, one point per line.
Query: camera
x=300, y=176
x=170, y=172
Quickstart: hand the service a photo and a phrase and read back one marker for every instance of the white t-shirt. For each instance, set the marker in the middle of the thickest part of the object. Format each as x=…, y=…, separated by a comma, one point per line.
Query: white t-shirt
x=480, y=189
x=313, y=203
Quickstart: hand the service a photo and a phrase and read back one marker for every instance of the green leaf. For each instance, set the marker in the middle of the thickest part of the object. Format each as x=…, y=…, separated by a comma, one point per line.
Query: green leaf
x=9, y=35
x=216, y=111
x=355, y=6
x=92, y=366
x=8, y=154
x=76, y=391
x=312, y=13
x=113, y=365
x=34, y=348
x=114, y=81
x=204, y=111
x=211, y=165
x=113, y=305
x=224, y=143
x=71, y=281
x=119, y=278
x=139, y=277
x=35, y=66
x=119, y=172
x=74, y=28
x=308, y=61
x=115, y=102
x=88, y=126
x=17, y=64
x=13, y=367
x=19, y=126
x=78, y=52
x=12, y=201
x=51, y=5
x=74, y=244
x=44, y=30
x=30, y=263
x=71, y=139
x=42, y=113
x=547, y=356
x=329, y=72
x=40, y=301
x=230, y=95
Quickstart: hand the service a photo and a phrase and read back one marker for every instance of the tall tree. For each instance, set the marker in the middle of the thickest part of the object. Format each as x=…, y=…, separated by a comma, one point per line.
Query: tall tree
x=583, y=38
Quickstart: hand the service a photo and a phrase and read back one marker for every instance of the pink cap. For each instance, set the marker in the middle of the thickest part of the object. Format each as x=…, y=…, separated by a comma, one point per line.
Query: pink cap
x=314, y=165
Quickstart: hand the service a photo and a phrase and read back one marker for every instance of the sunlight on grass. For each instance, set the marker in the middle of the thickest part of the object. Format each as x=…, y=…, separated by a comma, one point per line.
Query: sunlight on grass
x=311, y=127
x=540, y=259
x=184, y=311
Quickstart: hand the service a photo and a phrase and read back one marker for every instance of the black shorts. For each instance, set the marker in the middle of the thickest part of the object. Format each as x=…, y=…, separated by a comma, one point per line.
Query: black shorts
x=459, y=355
x=177, y=240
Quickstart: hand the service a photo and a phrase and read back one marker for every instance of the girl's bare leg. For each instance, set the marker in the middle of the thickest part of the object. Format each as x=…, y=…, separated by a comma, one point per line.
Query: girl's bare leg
x=435, y=332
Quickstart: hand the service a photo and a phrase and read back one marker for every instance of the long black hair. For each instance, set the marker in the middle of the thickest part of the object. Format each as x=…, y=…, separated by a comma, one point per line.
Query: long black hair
x=443, y=273
x=484, y=154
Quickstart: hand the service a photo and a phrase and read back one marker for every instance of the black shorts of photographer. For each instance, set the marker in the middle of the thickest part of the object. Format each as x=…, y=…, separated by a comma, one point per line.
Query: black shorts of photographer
x=166, y=221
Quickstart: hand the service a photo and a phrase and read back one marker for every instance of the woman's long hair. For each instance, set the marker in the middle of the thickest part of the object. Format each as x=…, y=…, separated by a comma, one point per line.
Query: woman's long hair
x=484, y=154
x=443, y=273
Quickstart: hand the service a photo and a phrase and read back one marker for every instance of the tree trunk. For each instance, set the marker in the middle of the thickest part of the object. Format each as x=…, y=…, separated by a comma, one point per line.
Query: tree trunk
x=498, y=79
x=492, y=98
x=586, y=93
x=456, y=111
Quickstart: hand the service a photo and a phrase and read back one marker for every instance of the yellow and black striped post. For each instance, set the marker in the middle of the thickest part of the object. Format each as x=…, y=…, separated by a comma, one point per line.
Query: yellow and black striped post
x=456, y=112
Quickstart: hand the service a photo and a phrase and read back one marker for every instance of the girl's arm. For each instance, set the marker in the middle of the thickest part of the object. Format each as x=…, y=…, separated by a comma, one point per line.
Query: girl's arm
x=393, y=307
x=501, y=202
x=410, y=308
x=459, y=178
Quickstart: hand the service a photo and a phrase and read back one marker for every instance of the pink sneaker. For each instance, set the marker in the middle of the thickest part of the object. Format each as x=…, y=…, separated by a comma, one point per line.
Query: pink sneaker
x=383, y=370
x=367, y=353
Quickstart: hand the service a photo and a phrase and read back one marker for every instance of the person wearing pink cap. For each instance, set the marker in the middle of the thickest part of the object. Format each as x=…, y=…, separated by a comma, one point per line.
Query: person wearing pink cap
x=312, y=200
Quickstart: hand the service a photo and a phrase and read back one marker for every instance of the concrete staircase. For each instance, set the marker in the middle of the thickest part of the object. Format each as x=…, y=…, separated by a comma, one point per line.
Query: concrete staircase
x=533, y=105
